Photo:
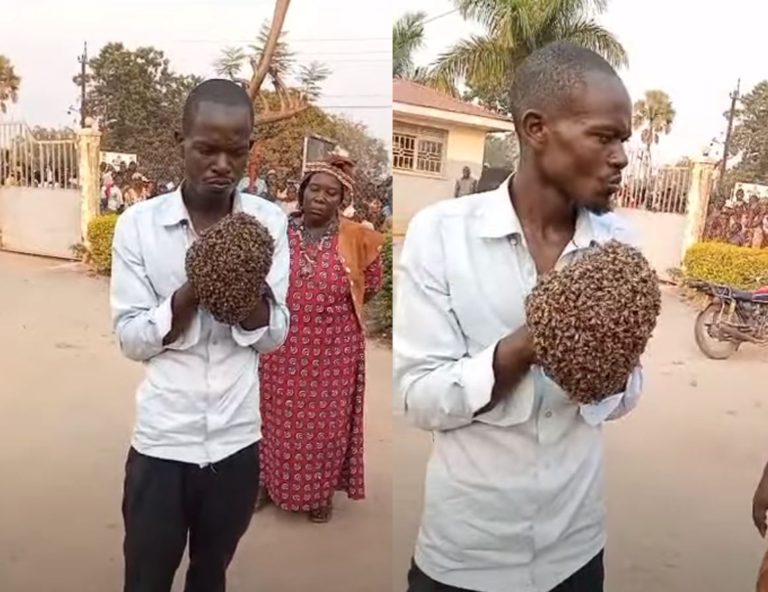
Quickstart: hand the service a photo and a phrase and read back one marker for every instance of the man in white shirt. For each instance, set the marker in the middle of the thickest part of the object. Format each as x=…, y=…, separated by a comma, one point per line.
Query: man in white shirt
x=513, y=499
x=193, y=467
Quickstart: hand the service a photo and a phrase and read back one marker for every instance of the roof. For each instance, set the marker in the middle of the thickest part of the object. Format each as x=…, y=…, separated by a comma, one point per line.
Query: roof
x=412, y=93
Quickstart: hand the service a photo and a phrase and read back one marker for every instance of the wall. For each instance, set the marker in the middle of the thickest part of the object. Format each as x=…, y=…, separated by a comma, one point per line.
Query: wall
x=413, y=191
x=40, y=221
x=660, y=235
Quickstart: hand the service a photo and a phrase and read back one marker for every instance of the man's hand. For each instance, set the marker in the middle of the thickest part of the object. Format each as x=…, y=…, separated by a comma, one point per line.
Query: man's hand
x=184, y=305
x=260, y=316
x=760, y=503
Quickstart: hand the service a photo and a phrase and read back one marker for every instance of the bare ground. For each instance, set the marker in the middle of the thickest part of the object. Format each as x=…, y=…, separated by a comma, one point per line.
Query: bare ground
x=66, y=411
x=680, y=470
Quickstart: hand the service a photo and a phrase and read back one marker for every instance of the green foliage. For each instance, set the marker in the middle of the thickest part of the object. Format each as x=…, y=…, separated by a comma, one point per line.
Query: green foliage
x=282, y=143
x=750, y=138
x=138, y=101
x=722, y=263
x=513, y=30
x=100, y=232
x=9, y=83
x=407, y=39
x=380, y=309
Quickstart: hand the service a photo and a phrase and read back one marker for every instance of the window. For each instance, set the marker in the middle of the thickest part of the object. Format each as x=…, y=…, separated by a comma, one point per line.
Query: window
x=419, y=150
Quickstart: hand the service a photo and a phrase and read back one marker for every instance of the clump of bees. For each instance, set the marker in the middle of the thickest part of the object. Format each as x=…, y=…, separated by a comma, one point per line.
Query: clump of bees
x=227, y=267
x=591, y=321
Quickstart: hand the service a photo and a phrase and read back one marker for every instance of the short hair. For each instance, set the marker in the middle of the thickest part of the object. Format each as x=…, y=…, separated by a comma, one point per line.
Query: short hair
x=548, y=77
x=215, y=90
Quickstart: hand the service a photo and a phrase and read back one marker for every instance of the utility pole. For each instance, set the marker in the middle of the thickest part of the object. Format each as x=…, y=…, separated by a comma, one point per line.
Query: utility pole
x=83, y=59
x=727, y=144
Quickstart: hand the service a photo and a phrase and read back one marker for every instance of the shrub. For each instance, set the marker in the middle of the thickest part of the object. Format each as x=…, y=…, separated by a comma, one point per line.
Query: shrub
x=721, y=263
x=100, y=232
x=380, y=309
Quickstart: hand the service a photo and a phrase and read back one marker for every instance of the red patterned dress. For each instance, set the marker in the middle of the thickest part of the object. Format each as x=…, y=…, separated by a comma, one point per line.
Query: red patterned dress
x=312, y=388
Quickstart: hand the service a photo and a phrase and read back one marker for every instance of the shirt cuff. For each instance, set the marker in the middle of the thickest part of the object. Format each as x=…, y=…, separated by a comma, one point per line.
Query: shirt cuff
x=162, y=318
x=477, y=378
x=615, y=406
x=245, y=338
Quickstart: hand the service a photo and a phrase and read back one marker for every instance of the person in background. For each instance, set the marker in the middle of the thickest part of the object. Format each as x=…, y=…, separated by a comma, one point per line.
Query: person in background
x=313, y=388
x=111, y=196
x=136, y=191
x=192, y=472
x=514, y=492
x=467, y=185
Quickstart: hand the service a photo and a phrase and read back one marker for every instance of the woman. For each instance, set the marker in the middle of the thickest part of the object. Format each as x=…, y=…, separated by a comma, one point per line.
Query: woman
x=312, y=388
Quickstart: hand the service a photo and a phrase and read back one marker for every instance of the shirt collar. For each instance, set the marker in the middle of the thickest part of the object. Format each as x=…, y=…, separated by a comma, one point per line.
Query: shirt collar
x=498, y=219
x=174, y=212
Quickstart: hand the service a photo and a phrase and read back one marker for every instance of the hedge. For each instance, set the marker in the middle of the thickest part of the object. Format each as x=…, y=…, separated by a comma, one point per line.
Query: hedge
x=100, y=232
x=721, y=263
x=380, y=309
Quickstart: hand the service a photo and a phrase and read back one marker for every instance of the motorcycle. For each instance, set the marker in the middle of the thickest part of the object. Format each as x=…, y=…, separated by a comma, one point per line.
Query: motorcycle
x=731, y=318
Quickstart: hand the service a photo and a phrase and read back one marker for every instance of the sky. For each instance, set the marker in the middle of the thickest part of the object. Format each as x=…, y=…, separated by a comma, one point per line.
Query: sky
x=354, y=42
x=693, y=53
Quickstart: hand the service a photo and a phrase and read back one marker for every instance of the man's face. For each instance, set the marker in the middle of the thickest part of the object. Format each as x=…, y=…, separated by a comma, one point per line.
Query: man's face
x=580, y=149
x=215, y=149
x=466, y=172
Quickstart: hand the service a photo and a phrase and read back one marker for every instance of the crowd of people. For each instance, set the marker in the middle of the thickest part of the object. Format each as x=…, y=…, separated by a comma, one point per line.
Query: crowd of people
x=741, y=222
x=123, y=185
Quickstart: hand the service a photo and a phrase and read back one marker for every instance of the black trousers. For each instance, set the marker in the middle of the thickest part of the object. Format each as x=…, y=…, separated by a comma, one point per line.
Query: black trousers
x=588, y=579
x=167, y=502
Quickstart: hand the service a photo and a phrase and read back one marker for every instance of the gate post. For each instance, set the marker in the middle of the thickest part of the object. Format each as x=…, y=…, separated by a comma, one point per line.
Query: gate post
x=89, y=143
x=699, y=193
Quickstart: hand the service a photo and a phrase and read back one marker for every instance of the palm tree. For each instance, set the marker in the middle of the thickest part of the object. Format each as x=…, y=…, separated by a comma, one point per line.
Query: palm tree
x=230, y=62
x=9, y=83
x=310, y=76
x=654, y=115
x=516, y=28
x=282, y=58
x=407, y=39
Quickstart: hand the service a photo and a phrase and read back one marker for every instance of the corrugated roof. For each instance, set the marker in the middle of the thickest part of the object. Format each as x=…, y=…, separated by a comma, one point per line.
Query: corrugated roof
x=412, y=93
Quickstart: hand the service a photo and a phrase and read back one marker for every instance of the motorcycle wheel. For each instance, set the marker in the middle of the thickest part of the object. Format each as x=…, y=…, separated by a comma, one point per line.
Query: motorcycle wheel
x=712, y=347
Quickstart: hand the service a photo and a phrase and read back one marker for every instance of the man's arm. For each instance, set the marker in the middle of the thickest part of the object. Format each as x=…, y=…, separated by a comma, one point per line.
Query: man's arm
x=443, y=387
x=456, y=189
x=267, y=327
x=145, y=325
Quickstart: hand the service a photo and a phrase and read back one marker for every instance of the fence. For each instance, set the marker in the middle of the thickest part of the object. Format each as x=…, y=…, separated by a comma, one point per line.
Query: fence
x=28, y=161
x=657, y=189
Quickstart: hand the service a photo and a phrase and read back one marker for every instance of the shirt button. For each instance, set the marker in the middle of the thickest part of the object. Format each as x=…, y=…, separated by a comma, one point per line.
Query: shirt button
x=548, y=414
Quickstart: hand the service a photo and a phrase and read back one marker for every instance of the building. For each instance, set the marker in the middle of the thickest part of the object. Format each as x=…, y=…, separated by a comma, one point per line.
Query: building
x=434, y=136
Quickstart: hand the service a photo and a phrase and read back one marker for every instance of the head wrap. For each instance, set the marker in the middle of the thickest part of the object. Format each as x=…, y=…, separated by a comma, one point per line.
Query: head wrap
x=339, y=167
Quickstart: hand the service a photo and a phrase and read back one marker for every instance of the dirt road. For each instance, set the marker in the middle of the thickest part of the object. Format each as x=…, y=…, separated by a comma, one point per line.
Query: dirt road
x=66, y=411
x=680, y=470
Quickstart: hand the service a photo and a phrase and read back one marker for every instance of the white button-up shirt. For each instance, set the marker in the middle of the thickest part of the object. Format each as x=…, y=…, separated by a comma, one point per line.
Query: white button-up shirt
x=513, y=498
x=199, y=401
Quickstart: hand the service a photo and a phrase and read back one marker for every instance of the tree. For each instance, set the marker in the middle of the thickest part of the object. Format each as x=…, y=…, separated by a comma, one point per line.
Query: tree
x=749, y=140
x=654, y=116
x=9, y=84
x=138, y=101
x=230, y=63
x=310, y=76
x=407, y=39
x=501, y=151
x=513, y=30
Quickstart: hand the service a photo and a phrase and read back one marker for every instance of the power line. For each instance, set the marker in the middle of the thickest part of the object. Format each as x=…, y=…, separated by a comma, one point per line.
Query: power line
x=389, y=106
x=288, y=40
x=432, y=19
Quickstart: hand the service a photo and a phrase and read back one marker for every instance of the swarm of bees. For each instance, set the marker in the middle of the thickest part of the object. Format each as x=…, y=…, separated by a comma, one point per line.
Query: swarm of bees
x=227, y=267
x=591, y=321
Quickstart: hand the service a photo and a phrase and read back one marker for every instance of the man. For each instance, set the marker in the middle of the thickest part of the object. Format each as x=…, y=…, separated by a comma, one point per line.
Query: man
x=513, y=497
x=466, y=185
x=193, y=468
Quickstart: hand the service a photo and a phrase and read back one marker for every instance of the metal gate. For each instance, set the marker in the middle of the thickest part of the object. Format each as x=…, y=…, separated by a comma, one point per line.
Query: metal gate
x=40, y=204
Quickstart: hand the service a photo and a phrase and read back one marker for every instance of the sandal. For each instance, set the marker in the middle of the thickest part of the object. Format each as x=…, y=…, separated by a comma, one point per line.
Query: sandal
x=321, y=515
x=262, y=499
